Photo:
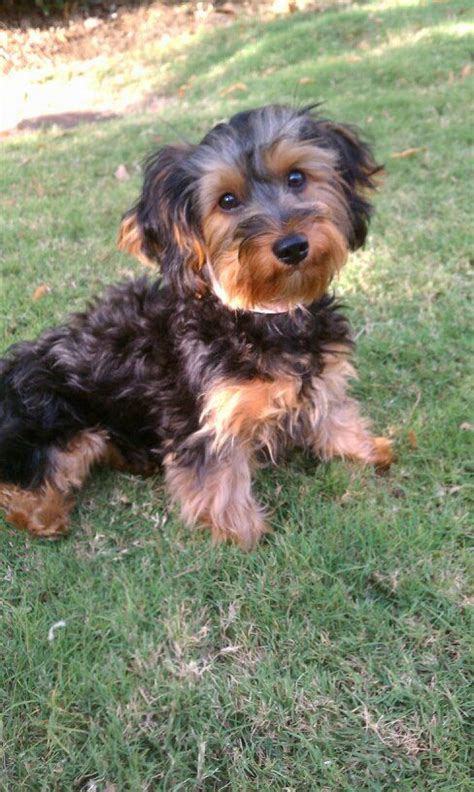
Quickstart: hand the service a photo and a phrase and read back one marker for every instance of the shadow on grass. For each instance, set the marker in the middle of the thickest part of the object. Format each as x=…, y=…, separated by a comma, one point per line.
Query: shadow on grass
x=48, y=13
x=64, y=120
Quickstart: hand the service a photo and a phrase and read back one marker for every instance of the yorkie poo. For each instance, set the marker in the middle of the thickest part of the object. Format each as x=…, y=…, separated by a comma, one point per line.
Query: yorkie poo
x=236, y=353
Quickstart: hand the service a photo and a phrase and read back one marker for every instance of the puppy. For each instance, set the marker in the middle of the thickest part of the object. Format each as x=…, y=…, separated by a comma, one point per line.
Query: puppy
x=235, y=354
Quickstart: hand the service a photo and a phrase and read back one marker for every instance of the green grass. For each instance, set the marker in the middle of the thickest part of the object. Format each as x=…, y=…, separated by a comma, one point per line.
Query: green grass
x=334, y=657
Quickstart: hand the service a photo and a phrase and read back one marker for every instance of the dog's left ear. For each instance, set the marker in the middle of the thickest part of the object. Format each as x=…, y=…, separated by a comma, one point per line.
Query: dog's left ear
x=162, y=227
x=357, y=168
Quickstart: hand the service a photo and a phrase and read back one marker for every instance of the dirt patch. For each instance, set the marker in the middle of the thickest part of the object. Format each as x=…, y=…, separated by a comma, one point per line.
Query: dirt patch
x=43, y=85
x=30, y=44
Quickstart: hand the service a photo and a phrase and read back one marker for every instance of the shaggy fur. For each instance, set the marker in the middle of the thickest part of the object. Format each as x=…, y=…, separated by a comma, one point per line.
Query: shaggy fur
x=235, y=354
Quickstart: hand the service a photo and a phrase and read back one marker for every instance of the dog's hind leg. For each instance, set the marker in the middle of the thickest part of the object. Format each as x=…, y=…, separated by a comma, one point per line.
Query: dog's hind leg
x=44, y=510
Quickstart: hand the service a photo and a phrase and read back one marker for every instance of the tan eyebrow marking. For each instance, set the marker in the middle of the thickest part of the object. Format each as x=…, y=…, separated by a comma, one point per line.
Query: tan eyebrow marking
x=223, y=179
x=283, y=155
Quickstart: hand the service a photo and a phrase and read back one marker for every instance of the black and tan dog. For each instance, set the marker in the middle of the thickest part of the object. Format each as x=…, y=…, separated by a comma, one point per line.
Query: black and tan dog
x=236, y=353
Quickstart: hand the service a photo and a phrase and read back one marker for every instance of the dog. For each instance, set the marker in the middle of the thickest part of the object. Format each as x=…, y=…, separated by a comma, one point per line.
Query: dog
x=235, y=354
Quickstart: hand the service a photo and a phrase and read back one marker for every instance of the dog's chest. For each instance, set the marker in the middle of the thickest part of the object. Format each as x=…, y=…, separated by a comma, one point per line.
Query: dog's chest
x=288, y=408
x=259, y=411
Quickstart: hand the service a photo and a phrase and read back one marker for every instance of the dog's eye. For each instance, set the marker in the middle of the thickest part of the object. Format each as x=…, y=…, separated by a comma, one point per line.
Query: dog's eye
x=296, y=179
x=228, y=201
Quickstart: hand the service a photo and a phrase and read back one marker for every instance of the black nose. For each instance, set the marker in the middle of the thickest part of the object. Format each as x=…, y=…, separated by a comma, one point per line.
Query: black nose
x=291, y=249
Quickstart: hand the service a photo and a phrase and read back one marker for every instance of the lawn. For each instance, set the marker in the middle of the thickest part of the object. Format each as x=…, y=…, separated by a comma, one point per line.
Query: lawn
x=335, y=656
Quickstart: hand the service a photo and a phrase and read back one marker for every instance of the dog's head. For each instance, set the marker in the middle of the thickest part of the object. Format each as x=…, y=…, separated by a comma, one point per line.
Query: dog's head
x=263, y=211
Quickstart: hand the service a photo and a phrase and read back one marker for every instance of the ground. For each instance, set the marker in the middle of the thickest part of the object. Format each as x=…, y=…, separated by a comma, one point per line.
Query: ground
x=137, y=656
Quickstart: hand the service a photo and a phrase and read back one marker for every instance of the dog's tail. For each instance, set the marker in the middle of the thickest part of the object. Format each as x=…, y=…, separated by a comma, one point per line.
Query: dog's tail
x=33, y=417
x=22, y=460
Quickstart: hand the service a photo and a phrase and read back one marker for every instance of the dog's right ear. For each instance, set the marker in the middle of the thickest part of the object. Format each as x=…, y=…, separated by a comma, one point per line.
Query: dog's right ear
x=162, y=220
x=130, y=238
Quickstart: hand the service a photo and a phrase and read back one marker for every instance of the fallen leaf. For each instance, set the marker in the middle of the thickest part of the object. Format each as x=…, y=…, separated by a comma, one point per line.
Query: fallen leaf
x=239, y=86
x=467, y=427
x=409, y=152
x=40, y=292
x=412, y=441
x=466, y=70
x=122, y=173
x=306, y=80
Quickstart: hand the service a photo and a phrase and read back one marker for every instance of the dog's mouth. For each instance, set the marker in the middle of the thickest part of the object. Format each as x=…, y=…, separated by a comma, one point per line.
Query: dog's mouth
x=277, y=272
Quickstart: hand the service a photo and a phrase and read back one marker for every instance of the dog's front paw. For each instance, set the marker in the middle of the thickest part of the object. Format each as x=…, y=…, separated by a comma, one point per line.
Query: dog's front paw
x=382, y=454
x=244, y=528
